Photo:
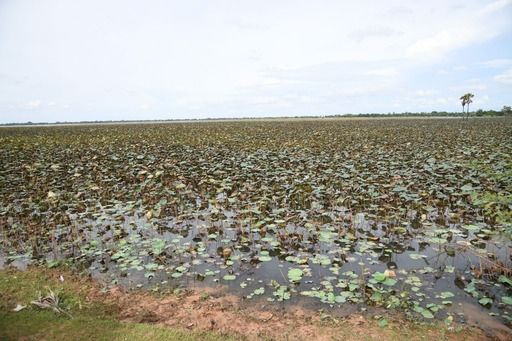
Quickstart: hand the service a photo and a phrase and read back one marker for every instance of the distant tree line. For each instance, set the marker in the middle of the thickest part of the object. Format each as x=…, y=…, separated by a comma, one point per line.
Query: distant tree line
x=505, y=111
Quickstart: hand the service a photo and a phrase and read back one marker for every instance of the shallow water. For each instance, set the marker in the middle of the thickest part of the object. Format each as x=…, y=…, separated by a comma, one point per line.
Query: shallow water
x=196, y=243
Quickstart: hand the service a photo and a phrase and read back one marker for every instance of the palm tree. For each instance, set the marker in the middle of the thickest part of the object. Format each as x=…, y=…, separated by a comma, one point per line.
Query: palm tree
x=463, y=102
x=469, y=100
x=466, y=100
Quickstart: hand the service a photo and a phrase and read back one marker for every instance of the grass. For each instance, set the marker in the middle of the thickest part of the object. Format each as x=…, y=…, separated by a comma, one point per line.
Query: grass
x=91, y=320
x=45, y=325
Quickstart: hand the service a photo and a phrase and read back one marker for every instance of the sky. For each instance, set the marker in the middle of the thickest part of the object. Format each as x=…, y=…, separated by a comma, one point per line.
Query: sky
x=128, y=60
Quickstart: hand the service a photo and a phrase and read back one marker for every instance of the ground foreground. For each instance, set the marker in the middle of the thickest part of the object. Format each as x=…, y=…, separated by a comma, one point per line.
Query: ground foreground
x=114, y=315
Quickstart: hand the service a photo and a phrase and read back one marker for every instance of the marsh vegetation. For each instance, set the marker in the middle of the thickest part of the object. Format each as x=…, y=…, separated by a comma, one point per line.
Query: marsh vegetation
x=412, y=215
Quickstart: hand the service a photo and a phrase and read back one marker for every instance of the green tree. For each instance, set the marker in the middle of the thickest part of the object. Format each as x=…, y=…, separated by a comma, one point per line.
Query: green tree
x=506, y=110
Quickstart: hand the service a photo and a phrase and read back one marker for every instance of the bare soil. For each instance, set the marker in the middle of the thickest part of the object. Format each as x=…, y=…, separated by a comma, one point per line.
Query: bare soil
x=215, y=310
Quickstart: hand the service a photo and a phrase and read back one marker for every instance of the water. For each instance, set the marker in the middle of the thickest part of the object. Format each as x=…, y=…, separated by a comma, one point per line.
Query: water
x=427, y=259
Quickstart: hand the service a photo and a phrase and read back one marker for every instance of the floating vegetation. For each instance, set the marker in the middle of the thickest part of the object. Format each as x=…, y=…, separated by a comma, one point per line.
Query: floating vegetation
x=408, y=214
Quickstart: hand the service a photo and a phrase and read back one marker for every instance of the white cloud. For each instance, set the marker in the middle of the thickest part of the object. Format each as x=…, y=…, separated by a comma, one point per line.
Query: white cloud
x=426, y=93
x=383, y=72
x=481, y=100
x=442, y=100
x=400, y=10
x=505, y=78
x=497, y=63
x=473, y=26
x=469, y=85
x=447, y=40
x=495, y=6
x=374, y=32
x=34, y=104
x=364, y=90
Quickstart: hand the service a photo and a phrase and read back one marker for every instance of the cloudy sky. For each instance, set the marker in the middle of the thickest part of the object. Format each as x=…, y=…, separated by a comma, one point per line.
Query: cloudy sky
x=102, y=60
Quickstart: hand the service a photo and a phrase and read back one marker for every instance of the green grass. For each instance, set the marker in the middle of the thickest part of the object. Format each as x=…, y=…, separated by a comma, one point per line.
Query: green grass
x=46, y=325
x=91, y=321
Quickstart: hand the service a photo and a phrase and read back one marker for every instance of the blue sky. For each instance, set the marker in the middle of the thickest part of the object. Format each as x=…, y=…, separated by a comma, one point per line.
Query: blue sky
x=112, y=60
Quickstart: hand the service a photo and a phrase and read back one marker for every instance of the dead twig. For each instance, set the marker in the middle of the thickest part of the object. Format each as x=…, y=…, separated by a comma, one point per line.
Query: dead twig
x=51, y=301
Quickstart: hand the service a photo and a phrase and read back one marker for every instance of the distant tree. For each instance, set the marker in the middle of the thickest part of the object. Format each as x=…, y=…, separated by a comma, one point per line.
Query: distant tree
x=506, y=110
x=463, y=102
x=466, y=99
x=470, y=100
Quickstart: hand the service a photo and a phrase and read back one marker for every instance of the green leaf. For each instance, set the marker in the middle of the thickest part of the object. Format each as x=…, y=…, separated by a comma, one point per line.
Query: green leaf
x=467, y=188
x=340, y=299
x=383, y=323
x=264, y=257
x=505, y=280
x=259, y=291
x=181, y=268
x=425, y=312
x=485, y=301
x=507, y=300
x=352, y=286
x=295, y=275
x=446, y=294
x=379, y=276
x=157, y=246
x=229, y=277
x=389, y=282
x=376, y=296
x=52, y=263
